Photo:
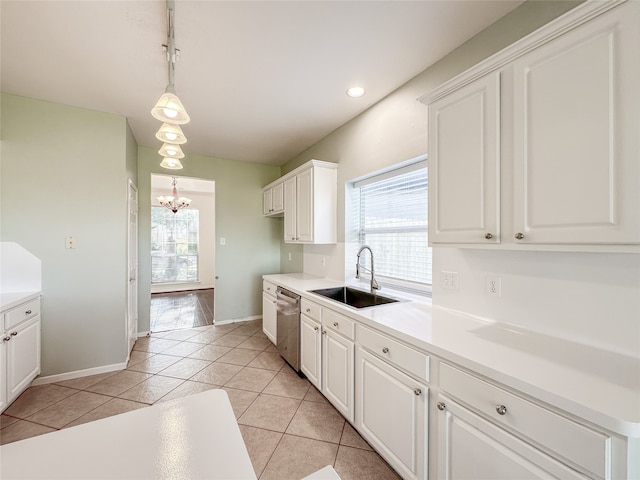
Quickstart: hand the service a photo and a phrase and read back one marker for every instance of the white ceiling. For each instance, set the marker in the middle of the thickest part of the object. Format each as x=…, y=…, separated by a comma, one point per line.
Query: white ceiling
x=261, y=80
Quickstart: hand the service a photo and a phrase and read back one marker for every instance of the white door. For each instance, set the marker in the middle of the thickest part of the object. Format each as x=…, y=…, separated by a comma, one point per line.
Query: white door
x=290, y=210
x=337, y=372
x=23, y=356
x=471, y=448
x=576, y=117
x=310, y=350
x=464, y=164
x=269, y=317
x=304, y=206
x=132, y=260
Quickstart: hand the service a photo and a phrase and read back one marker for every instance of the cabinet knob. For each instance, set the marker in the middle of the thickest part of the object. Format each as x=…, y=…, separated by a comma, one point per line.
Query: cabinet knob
x=335, y=324
x=315, y=329
x=385, y=350
x=488, y=236
x=13, y=334
x=417, y=391
x=28, y=312
x=519, y=236
x=308, y=310
x=501, y=409
x=6, y=339
x=441, y=405
x=324, y=332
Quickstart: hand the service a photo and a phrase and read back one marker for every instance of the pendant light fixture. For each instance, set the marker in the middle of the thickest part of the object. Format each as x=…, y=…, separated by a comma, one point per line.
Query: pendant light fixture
x=169, y=109
x=173, y=202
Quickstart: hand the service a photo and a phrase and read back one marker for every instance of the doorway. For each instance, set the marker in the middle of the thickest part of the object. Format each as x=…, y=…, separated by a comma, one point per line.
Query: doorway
x=182, y=254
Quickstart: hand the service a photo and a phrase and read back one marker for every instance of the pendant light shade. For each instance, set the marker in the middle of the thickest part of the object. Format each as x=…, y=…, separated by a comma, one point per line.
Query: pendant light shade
x=171, y=164
x=169, y=109
x=170, y=150
x=171, y=134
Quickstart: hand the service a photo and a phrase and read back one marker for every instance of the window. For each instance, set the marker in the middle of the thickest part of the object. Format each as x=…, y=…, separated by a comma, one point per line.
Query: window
x=174, y=245
x=392, y=220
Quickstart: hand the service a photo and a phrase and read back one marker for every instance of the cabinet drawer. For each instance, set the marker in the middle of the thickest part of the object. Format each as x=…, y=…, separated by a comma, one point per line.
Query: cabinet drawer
x=402, y=356
x=561, y=436
x=310, y=309
x=21, y=313
x=269, y=288
x=338, y=323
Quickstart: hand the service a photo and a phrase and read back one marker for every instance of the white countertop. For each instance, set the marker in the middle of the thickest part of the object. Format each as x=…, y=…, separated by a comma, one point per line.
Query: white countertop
x=191, y=437
x=13, y=299
x=599, y=386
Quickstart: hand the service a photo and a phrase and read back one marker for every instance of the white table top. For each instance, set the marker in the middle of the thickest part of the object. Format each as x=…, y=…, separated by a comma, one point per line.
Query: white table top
x=188, y=438
x=599, y=386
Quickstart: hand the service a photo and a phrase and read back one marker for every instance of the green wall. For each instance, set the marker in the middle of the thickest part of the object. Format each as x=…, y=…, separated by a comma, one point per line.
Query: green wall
x=252, y=241
x=64, y=173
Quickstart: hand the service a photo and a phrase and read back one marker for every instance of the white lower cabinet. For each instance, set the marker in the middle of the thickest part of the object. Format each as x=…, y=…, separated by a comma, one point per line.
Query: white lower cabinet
x=269, y=311
x=20, y=351
x=311, y=350
x=392, y=414
x=485, y=431
x=337, y=362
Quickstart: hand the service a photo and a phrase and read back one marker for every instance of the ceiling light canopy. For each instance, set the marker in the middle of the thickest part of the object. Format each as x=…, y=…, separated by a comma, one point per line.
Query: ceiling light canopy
x=171, y=164
x=171, y=151
x=171, y=134
x=356, y=92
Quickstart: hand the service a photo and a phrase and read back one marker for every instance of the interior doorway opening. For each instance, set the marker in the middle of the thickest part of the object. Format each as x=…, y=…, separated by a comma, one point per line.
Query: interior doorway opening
x=182, y=254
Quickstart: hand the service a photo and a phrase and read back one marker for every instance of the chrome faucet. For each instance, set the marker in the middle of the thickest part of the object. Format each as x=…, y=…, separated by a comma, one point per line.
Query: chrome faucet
x=374, y=283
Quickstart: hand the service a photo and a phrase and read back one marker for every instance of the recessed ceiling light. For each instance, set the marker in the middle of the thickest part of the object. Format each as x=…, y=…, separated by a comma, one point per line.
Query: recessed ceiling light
x=355, y=92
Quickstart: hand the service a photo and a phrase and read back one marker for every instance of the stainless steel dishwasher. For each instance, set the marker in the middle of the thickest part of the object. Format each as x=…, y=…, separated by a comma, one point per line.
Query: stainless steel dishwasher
x=288, y=327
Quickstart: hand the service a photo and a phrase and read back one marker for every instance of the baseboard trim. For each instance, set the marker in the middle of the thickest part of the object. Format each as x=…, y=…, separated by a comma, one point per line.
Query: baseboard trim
x=78, y=374
x=236, y=320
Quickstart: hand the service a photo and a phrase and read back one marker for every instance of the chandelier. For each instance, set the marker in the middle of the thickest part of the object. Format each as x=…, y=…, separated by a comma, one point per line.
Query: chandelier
x=173, y=202
x=169, y=109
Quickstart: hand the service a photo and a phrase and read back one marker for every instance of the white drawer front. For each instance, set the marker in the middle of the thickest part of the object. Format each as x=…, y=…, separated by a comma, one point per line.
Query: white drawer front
x=310, y=309
x=269, y=288
x=394, y=352
x=576, y=443
x=21, y=313
x=338, y=323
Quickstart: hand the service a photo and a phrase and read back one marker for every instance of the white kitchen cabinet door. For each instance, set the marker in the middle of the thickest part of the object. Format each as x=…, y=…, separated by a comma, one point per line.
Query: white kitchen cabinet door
x=464, y=164
x=290, y=209
x=391, y=414
x=311, y=350
x=337, y=372
x=576, y=138
x=23, y=356
x=304, y=206
x=267, y=201
x=3, y=373
x=471, y=448
x=269, y=317
x=277, y=198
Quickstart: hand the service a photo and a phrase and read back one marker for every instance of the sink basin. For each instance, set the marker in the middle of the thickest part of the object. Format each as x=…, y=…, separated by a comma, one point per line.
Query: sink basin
x=353, y=297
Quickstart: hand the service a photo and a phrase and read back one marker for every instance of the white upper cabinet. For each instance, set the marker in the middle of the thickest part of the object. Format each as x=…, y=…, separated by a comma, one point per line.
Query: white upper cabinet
x=464, y=169
x=273, y=200
x=310, y=203
x=576, y=137
x=538, y=146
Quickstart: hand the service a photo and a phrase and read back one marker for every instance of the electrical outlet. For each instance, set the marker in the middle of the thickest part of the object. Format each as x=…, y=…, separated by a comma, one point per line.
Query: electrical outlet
x=449, y=280
x=493, y=286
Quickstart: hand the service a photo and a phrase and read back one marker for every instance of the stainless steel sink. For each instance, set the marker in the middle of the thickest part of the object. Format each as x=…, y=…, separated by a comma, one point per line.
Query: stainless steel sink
x=353, y=297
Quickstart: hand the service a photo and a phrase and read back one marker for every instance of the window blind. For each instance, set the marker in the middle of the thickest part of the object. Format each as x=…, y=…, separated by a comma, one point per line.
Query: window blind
x=392, y=219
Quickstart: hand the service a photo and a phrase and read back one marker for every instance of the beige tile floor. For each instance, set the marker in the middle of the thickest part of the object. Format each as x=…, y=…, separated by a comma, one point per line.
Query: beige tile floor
x=289, y=428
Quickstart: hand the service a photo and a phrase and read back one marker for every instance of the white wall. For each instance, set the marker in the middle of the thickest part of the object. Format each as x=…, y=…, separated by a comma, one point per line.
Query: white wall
x=205, y=203
x=588, y=297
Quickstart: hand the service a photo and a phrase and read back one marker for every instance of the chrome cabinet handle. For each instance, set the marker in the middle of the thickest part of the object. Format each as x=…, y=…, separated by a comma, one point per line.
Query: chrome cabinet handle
x=488, y=236
x=385, y=350
x=324, y=332
x=13, y=334
x=28, y=312
x=417, y=391
x=441, y=405
x=6, y=339
x=519, y=236
x=335, y=324
x=315, y=329
x=501, y=409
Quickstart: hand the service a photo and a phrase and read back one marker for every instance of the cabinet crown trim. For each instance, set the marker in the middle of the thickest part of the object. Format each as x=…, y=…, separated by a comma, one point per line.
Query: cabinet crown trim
x=301, y=168
x=555, y=28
